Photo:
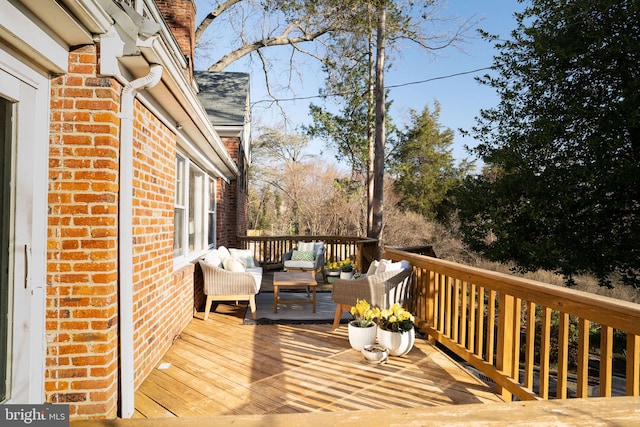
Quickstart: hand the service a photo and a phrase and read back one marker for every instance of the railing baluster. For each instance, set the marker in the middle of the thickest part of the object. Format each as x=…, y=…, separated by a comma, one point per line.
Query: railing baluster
x=431, y=299
x=517, y=321
x=530, y=350
x=545, y=350
x=463, y=313
x=606, y=360
x=633, y=365
x=506, y=331
x=441, y=302
x=472, y=318
x=563, y=356
x=480, y=324
x=456, y=311
x=491, y=327
x=583, y=358
x=448, y=303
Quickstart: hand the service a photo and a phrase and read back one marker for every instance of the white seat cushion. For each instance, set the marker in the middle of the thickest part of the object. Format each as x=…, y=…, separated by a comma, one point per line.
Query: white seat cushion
x=299, y=264
x=257, y=273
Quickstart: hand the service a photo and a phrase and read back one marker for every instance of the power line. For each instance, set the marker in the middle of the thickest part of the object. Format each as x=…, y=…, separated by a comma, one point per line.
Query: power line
x=300, y=98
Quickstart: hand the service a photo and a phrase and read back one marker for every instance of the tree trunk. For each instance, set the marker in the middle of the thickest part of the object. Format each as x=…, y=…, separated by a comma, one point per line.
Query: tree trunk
x=370, y=130
x=378, y=165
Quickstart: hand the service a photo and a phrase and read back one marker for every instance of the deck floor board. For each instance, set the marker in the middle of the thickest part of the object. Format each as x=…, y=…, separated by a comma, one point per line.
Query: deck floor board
x=222, y=367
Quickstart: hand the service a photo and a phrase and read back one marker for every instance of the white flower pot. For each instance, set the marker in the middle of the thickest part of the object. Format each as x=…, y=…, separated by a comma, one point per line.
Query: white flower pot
x=398, y=343
x=361, y=337
x=346, y=275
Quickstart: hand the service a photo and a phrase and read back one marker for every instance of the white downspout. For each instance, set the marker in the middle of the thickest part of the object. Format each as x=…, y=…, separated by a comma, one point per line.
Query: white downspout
x=125, y=237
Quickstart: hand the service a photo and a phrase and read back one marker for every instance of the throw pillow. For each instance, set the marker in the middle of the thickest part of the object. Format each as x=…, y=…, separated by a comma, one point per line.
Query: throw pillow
x=244, y=255
x=372, y=267
x=233, y=265
x=318, y=248
x=212, y=257
x=388, y=265
x=223, y=252
x=305, y=246
x=302, y=256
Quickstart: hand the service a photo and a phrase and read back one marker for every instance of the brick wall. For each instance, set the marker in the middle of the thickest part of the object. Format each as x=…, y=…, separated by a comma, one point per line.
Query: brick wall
x=82, y=277
x=163, y=305
x=234, y=196
x=226, y=214
x=82, y=258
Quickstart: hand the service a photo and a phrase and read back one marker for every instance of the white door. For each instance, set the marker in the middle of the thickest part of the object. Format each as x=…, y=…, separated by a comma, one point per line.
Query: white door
x=24, y=124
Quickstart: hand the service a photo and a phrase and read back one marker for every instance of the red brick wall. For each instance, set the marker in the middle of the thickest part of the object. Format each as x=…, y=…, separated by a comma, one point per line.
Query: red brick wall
x=234, y=198
x=162, y=305
x=226, y=214
x=82, y=276
x=82, y=258
x=180, y=15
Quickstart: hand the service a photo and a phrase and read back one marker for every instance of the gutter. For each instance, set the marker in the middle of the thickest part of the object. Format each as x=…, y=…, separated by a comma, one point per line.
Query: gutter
x=125, y=237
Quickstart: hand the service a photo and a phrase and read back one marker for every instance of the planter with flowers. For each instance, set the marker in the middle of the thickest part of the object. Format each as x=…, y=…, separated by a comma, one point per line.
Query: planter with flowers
x=342, y=269
x=362, y=330
x=346, y=270
x=396, y=330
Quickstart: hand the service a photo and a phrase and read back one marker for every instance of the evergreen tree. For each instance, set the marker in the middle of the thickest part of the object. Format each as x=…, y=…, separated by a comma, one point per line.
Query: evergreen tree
x=423, y=164
x=563, y=145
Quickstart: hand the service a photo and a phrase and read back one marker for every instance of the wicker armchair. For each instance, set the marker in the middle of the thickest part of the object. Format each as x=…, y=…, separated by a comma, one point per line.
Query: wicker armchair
x=381, y=290
x=315, y=265
x=223, y=285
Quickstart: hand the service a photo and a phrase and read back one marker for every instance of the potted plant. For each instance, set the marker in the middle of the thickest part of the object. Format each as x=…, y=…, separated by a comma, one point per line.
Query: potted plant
x=342, y=269
x=362, y=329
x=346, y=270
x=396, y=330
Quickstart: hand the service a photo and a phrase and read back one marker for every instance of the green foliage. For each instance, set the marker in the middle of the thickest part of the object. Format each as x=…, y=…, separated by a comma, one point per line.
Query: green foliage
x=562, y=147
x=347, y=86
x=423, y=165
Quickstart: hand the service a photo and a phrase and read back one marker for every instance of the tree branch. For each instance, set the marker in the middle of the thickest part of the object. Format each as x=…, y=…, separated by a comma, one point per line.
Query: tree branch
x=281, y=40
x=212, y=16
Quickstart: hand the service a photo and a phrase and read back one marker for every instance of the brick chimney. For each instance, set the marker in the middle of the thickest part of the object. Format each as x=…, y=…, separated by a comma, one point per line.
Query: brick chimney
x=180, y=15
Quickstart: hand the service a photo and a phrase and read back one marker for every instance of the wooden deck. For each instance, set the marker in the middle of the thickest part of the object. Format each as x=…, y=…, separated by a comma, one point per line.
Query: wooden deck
x=221, y=367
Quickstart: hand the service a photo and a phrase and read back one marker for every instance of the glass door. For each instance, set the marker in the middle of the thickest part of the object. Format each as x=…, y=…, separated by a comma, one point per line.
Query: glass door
x=24, y=148
x=6, y=142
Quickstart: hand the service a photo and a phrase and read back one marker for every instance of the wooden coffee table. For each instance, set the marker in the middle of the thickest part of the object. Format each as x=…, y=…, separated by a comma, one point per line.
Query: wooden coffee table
x=282, y=279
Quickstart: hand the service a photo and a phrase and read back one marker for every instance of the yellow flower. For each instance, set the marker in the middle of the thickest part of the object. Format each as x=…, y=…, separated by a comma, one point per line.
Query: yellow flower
x=396, y=319
x=363, y=313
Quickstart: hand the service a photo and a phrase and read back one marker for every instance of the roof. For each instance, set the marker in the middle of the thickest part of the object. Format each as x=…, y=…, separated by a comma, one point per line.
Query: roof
x=224, y=96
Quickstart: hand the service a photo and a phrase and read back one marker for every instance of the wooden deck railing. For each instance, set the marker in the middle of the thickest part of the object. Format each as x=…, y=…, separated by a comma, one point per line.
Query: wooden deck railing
x=515, y=330
x=268, y=250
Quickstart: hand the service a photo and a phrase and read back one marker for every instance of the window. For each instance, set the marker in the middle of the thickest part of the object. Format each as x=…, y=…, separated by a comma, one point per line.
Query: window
x=194, y=214
x=197, y=206
x=212, y=213
x=180, y=210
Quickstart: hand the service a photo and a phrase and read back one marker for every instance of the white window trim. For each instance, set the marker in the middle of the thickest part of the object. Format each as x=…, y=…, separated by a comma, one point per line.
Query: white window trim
x=186, y=257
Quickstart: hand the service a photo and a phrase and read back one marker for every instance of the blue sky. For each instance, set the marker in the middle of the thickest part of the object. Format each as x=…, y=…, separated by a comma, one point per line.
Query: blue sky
x=460, y=97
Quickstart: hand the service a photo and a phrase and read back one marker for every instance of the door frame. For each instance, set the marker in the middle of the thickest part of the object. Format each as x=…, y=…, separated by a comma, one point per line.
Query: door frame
x=29, y=88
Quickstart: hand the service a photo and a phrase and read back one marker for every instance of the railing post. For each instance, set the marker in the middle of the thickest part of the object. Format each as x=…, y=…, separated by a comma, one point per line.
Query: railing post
x=506, y=331
x=359, y=260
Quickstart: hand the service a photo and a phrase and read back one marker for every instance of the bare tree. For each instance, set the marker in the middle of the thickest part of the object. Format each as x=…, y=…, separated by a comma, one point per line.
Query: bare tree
x=304, y=194
x=331, y=25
